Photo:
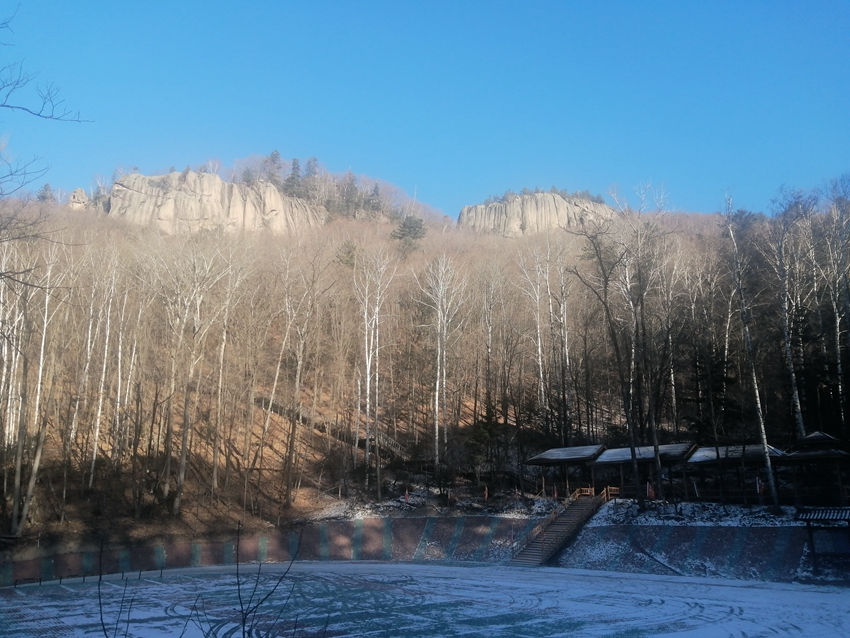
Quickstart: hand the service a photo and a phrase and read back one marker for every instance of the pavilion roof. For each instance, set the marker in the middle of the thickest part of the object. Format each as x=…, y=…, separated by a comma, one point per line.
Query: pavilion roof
x=819, y=440
x=670, y=453
x=732, y=454
x=816, y=455
x=567, y=455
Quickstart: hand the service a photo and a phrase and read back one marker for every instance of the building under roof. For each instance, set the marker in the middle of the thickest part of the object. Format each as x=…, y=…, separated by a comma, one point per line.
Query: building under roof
x=817, y=447
x=567, y=455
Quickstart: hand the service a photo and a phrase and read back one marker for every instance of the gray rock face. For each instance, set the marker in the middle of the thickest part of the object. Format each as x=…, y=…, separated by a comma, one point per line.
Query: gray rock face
x=527, y=214
x=189, y=201
x=78, y=199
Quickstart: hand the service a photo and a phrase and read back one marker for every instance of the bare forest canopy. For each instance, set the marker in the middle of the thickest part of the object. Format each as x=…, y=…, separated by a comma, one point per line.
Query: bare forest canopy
x=173, y=369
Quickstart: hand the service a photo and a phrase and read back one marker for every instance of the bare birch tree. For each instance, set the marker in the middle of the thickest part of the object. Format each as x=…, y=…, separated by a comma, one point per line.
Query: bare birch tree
x=443, y=291
x=738, y=267
x=373, y=274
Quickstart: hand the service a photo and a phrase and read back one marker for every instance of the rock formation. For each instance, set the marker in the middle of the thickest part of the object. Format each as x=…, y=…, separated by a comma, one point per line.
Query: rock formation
x=536, y=213
x=78, y=200
x=189, y=201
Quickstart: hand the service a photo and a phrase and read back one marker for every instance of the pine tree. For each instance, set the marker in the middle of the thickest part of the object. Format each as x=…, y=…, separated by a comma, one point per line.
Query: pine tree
x=46, y=194
x=409, y=232
x=292, y=186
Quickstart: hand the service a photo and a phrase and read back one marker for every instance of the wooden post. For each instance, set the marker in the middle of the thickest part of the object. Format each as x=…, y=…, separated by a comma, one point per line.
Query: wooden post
x=816, y=567
x=794, y=480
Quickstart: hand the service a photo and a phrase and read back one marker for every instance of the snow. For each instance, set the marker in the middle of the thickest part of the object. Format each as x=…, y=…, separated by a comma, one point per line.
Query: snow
x=427, y=502
x=670, y=452
x=625, y=512
x=564, y=455
x=418, y=600
x=732, y=452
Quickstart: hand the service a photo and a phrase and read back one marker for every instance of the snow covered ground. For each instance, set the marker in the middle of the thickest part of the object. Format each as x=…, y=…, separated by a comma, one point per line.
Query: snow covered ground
x=424, y=501
x=418, y=600
x=625, y=512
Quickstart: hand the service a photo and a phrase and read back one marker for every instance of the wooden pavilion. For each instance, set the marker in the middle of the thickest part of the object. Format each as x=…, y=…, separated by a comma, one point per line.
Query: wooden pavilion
x=567, y=457
x=724, y=472
x=819, y=465
x=670, y=455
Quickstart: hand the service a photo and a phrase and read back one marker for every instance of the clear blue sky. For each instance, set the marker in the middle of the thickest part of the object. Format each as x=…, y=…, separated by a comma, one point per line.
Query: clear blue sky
x=456, y=99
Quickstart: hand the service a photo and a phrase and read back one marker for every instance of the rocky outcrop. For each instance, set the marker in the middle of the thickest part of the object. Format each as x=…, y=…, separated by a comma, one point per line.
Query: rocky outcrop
x=189, y=201
x=536, y=213
x=78, y=200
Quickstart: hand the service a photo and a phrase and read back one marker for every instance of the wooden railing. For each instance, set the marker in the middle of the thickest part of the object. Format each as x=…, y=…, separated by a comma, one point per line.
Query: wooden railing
x=608, y=493
x=521, y=543
x=384, y=441
x=389, y=443
x=554, y=543
x=551, y=543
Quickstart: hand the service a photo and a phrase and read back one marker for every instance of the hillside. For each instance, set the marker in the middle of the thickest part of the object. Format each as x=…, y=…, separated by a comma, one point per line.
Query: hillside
x=137, y=366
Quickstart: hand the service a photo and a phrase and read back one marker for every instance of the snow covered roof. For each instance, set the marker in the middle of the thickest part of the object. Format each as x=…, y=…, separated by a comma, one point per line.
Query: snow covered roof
x=565, y=455
x=815, y=455
x=820, y=437
x=672, y=453
x=728, y=453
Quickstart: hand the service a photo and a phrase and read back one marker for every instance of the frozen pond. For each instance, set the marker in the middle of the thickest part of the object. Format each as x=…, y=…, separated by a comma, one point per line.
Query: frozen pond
x=418, y=600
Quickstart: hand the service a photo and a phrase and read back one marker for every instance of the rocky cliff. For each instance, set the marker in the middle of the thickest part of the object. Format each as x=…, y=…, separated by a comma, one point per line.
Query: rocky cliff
x=526, y=214
x=189, y=201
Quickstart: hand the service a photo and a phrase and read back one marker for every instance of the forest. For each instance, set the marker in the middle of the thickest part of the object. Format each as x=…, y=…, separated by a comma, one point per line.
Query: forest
x=172, y=370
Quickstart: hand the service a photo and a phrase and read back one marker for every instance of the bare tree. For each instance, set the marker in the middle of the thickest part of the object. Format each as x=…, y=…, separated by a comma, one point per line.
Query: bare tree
x=794, y=208
x=182, y=275
x=534, y=284
x=834, y=269
x=443, y=290
x=373, y=274
x=738, y=267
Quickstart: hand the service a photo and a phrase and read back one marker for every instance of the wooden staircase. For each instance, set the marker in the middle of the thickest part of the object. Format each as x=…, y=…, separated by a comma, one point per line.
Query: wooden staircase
x=389, y=443
x=385, y=441
x=562, y=525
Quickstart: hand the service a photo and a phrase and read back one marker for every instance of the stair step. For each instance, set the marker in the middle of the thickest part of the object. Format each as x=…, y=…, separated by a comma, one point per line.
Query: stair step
x=558, y=531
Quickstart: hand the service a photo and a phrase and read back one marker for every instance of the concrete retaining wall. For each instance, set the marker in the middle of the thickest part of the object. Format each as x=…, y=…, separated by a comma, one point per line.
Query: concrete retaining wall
x=470, y=538
x=747, y=553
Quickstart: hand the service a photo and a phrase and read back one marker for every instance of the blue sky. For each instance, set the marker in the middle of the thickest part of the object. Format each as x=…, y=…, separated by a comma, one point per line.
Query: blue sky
x=455, y=100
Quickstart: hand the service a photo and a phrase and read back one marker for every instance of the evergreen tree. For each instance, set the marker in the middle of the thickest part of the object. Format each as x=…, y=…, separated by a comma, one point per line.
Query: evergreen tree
x=374, y=201
x=46, y=194
x=409, y=232
x=271, y=168
x=350, y=193
x=311, y=170
x=292, y=186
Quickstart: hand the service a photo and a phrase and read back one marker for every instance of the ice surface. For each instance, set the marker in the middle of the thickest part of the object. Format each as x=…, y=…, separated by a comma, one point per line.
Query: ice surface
x=413, y=600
